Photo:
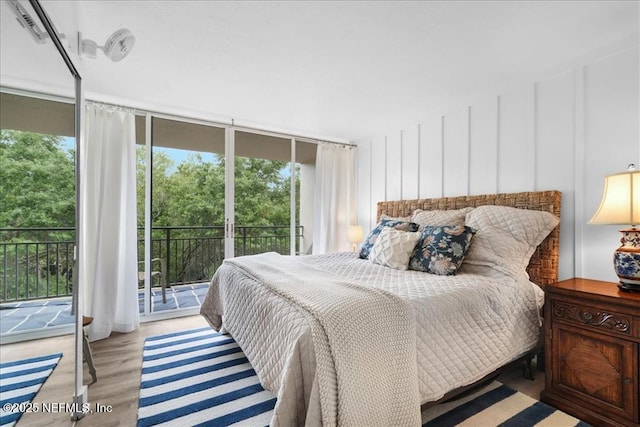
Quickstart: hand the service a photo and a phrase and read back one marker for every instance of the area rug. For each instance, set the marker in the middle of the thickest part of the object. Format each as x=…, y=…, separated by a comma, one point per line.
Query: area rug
x=20, y=381
x=200, y=377
x=497, y=405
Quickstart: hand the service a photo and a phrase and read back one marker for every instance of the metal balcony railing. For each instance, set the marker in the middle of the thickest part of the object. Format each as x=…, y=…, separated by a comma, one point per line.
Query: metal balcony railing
x=37, y=263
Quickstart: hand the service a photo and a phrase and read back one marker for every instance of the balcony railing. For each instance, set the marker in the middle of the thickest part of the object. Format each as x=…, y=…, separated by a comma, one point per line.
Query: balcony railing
x=37, y=263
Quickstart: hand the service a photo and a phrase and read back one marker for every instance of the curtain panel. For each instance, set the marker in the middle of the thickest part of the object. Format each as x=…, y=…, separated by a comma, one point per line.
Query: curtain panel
x=109, y=269
x=334, y=201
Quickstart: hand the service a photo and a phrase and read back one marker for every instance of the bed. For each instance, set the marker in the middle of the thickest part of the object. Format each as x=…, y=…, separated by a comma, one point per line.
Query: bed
x=345, y=340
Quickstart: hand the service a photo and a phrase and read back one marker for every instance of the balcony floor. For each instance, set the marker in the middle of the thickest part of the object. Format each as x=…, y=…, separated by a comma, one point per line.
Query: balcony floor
x=29, y=315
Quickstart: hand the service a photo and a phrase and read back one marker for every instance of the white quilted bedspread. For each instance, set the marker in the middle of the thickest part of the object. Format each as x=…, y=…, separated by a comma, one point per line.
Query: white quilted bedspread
x=466, y=326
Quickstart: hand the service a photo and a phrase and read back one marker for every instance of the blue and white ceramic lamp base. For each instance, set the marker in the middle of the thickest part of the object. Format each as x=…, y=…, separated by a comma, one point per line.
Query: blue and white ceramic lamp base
x=626, y=260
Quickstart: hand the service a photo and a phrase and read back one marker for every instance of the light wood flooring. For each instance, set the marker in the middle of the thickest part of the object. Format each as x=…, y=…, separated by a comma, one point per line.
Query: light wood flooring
x=118, y=360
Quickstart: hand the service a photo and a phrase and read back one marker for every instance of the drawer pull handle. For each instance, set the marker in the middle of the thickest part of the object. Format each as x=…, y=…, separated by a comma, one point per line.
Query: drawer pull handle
x=627, y=380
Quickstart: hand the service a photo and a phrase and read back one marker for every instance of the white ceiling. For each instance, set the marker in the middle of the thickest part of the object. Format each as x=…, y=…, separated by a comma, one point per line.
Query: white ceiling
x=331, y=68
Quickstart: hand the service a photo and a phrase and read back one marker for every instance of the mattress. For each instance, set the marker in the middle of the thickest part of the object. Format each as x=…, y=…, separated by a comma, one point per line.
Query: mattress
x=466, y=326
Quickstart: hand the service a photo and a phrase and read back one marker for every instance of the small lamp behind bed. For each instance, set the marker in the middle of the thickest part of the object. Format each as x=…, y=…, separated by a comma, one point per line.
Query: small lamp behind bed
x=356, y=236
x=620, y=205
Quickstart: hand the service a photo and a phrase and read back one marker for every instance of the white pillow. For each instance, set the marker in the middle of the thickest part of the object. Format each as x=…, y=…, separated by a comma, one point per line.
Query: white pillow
x=393, y=248
x=506, y=237
x=440, y=218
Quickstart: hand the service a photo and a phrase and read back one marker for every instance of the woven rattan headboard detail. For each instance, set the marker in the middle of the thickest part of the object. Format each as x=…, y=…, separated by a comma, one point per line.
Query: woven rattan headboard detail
x=543, y=267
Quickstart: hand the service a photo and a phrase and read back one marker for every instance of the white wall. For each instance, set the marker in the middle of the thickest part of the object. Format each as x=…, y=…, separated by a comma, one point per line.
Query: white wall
x=562, y=130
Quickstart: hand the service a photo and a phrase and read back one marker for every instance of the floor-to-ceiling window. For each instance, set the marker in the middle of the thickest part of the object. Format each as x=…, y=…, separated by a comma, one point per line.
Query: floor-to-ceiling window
x=185, y=164
x=186, y=212
x=273, y=194
x=216, y=192
x=263, y=195
x=37, y=214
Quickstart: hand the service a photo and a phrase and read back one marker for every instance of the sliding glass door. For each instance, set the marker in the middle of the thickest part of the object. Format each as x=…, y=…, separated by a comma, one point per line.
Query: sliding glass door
x=216, y=192
x=273, y=194
x=263, y=199
x=186, y=213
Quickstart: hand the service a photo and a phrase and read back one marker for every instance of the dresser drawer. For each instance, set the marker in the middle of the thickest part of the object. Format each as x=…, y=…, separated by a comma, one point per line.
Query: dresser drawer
x=603, y=321
x=592, y=352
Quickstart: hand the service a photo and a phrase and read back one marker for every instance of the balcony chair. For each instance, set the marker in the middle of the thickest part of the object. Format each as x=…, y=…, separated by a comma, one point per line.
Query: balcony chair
x=158, y=272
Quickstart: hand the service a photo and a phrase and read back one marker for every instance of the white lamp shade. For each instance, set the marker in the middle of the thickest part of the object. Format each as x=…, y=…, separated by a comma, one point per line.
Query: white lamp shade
x=620, y=200
x=356, y=234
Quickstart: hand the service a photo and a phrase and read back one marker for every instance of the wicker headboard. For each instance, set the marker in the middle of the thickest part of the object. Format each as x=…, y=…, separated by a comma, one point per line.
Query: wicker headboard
x=543, y=267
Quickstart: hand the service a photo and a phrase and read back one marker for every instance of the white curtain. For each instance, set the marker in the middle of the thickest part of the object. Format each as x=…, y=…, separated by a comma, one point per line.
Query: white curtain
x=334, y=201
x=109, y=269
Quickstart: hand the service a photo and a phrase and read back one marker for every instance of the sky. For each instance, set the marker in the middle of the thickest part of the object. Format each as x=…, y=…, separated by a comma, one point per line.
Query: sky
x=178, y=156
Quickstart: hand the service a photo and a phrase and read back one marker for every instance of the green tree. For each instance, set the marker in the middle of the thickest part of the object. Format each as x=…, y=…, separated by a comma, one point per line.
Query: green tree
x=192, y=192
x=38, y=181
x=196, y=192
x=162, y=165
x=37, y=189
x=38, y=186
x=261, y=191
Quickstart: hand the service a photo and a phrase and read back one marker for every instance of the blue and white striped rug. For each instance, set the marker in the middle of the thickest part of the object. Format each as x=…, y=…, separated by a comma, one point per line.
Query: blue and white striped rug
x=200, y=377
x=20, y=381
x=497, y=405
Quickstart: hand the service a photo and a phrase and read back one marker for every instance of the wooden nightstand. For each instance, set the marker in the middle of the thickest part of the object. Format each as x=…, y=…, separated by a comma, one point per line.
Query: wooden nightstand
x=592, y=346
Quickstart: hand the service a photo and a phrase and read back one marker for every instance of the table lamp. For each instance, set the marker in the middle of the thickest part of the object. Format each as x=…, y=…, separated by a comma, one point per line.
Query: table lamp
x=620, y=205
x=356, y=235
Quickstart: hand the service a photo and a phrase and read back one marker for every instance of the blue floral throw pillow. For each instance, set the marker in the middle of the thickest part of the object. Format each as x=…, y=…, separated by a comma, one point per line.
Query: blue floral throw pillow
x=441, y=250
x=394, y=223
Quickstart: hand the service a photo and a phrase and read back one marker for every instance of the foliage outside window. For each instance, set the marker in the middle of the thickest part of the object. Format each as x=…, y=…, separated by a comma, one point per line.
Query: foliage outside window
x=37, y=212
x=37, y=215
